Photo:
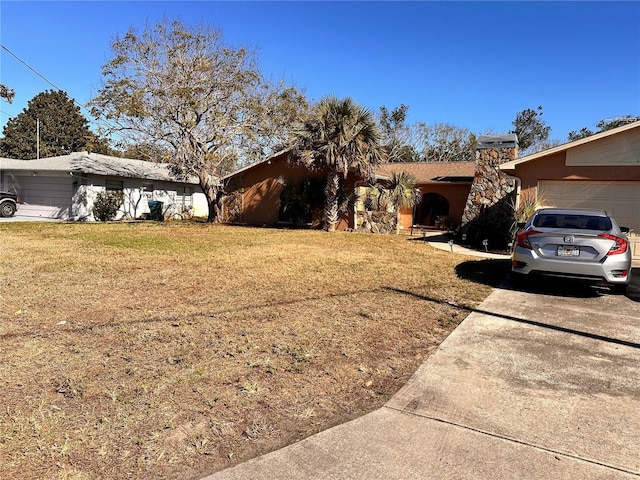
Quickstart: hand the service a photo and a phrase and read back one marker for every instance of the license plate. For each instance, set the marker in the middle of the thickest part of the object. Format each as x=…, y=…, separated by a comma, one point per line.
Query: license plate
x=568, y=251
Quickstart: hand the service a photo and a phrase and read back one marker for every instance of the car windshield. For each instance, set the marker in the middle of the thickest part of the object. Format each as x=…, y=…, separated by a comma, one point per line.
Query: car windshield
x=580, y=222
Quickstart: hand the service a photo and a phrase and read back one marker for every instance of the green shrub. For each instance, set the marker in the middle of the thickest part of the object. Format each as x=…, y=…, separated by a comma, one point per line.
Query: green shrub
x=298, y=201
x=106, y=205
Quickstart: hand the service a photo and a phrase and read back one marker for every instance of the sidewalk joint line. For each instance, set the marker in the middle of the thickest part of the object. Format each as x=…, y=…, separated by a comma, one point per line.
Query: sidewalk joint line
x=513, y=440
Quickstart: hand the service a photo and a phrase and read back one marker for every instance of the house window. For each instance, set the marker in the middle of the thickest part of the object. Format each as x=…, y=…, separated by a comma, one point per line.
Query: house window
x=114, y=185
x=184, y=197
x=147, y=190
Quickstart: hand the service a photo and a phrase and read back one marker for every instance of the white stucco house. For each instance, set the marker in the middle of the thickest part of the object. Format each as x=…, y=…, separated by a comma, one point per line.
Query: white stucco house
x=65, y=187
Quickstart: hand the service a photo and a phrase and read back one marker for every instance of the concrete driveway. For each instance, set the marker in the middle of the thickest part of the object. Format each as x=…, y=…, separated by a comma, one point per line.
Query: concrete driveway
x=534, y=384
x=24, y=218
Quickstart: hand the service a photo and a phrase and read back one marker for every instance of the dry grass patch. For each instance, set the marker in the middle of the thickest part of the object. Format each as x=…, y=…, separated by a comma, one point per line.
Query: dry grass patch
x=172, y=350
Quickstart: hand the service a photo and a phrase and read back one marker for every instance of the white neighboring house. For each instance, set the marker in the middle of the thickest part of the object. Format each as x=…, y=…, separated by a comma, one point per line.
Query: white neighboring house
x=65, y=187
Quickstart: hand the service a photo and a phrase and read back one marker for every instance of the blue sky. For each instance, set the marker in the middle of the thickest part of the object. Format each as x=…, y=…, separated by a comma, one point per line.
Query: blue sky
x=471, y=64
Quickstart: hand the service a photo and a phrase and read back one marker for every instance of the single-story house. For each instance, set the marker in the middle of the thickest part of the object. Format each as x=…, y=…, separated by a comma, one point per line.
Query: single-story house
x=601, y=171
x=65, y=187
x=258, y=190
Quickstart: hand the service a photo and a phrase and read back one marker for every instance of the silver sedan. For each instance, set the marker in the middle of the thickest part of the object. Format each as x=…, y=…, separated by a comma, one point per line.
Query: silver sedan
x=585, y=245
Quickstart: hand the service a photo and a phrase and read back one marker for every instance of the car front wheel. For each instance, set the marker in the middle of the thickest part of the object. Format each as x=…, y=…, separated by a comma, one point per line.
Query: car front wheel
x=8, y=209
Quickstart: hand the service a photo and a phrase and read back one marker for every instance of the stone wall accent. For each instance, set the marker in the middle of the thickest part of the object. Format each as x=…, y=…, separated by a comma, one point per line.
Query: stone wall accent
x=488, y=214
x=490, y=184
x=376, y=221
x=232, y=207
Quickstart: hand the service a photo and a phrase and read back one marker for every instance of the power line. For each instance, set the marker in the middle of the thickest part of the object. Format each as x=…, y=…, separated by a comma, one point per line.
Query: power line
x=29, y=67
x=43, y=77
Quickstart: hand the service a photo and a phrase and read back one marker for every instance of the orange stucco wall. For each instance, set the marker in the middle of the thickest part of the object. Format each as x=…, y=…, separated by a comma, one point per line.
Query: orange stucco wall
x=455, y=193
x=263, y=185
x=553, y=168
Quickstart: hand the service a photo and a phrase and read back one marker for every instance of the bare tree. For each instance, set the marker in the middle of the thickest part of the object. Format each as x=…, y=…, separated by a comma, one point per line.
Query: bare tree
x=200, y=104
x=443, y=142
x=396, y=135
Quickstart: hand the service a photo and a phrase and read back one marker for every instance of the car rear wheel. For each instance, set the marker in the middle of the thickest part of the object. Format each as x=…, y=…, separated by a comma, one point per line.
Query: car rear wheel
x=7, y=209
x=519, y=280
x=618, y=289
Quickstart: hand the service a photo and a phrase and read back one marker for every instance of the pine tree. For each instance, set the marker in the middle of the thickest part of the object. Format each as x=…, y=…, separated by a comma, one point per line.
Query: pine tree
x=530, y=128
x=62, y=128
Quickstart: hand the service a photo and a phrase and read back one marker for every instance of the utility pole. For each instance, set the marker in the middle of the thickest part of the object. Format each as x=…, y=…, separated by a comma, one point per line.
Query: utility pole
x=38, y=138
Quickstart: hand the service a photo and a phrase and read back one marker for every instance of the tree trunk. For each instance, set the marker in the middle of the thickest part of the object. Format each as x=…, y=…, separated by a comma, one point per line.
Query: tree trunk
x=214, y=195
x=213, y=211
x=331, y=204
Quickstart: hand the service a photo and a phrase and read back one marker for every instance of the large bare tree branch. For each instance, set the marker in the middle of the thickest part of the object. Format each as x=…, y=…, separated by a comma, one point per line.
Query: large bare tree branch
x=203, y=103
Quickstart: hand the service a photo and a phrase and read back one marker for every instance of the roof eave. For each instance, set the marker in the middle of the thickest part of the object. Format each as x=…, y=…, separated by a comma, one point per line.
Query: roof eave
x=255, y=164
x=566, y=146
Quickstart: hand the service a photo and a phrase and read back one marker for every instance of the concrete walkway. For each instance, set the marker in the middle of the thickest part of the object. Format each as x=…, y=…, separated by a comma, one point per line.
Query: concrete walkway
x=531, y=385
x=442, y=242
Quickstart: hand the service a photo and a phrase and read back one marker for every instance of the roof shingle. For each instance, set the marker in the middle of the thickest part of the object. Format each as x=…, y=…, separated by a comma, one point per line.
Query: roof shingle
x=429, y=172
x=97, y=164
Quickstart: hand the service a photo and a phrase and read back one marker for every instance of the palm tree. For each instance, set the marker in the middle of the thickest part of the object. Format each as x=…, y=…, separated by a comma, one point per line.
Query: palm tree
x=396, y=193
x=341, y=137
x=403, y=193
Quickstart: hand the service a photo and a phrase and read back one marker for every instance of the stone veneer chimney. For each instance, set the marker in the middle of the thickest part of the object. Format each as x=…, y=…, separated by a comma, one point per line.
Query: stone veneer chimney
x=490, y=185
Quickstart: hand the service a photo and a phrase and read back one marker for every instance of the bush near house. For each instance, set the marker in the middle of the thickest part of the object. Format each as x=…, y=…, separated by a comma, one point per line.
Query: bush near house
x=106, y=205
x=301, y=203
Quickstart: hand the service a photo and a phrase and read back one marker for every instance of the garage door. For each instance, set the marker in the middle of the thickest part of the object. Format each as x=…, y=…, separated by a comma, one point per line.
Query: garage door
x=43, y=196
x=621, y=199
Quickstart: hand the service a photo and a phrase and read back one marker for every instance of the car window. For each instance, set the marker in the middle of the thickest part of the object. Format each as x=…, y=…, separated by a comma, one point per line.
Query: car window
x=576, y=222
x=549, y=221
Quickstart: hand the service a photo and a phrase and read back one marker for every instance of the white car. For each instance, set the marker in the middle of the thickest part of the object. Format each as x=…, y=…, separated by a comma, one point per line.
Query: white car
x=585, y=245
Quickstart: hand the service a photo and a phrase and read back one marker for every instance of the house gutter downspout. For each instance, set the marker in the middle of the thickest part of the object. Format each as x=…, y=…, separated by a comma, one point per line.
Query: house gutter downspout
x=518, y=189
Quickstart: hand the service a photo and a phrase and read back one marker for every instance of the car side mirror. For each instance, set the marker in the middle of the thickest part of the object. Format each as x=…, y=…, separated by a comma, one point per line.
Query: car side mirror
x=625, y=230
x=521, y=224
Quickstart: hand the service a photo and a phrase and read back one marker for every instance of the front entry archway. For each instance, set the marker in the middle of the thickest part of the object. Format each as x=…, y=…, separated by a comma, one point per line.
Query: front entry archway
x=432, y=206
